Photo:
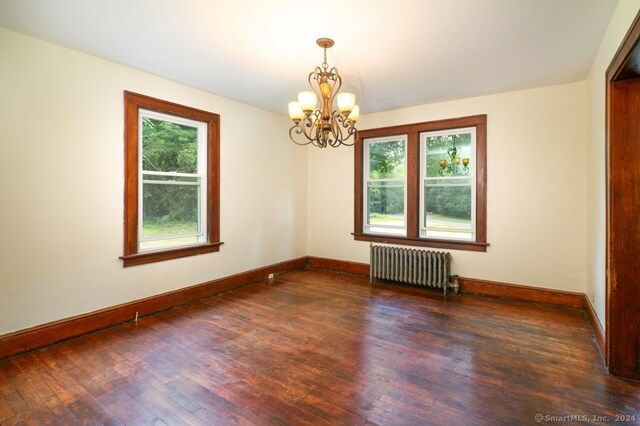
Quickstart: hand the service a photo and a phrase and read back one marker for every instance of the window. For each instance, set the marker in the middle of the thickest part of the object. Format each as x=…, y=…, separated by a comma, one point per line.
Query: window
x=423, y=184
x=385, y=185
x=447, y=194
x=171, y=181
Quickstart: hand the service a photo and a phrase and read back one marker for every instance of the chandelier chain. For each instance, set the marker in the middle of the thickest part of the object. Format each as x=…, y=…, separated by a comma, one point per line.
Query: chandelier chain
x=325, y=65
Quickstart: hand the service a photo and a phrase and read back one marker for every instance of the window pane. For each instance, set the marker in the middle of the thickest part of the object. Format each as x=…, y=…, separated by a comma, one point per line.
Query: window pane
x=169, y=242
x=385, y=211
x=171, y=179
x=447, y=155
x=386, y=159
x=169, y=147
x=448, y=211
x=455, y=181
x=169, y=210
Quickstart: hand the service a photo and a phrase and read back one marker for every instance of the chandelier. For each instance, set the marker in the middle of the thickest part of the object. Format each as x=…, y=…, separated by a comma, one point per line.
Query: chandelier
x=454, y=168
x=324, y=126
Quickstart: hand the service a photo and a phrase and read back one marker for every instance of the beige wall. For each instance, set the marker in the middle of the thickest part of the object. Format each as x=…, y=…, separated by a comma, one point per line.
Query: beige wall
x=61, y=183
x=596, y=179
x=536, y=187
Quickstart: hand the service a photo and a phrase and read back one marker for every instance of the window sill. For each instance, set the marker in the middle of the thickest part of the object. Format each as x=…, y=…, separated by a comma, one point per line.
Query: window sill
x=176, y=253
x=423, y=242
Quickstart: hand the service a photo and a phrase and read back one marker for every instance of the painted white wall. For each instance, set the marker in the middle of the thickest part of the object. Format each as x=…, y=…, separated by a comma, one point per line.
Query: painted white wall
x=596, y=178
x=61, y=186
x=536, y=187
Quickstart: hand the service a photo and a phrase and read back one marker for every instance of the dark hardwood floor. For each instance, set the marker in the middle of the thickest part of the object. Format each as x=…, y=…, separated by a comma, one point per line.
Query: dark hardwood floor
x=315, y=347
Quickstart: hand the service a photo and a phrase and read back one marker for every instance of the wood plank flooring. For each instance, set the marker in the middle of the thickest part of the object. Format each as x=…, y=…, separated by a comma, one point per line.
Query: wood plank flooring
x=316, y=347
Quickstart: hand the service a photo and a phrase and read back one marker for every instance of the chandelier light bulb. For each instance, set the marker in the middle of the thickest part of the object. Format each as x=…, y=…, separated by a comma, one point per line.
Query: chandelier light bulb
x=355, y=113
x=307, y=101
x=295, y=111
x=346, y=102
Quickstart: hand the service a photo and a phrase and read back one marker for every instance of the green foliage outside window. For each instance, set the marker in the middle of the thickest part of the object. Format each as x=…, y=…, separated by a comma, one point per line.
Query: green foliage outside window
x=386, y=161
x=169, y=147
x=437, y=150
x=452, y=201
x=443, y=200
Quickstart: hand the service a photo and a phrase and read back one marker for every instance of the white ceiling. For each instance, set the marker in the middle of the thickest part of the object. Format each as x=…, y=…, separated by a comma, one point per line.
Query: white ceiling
x=392, y=54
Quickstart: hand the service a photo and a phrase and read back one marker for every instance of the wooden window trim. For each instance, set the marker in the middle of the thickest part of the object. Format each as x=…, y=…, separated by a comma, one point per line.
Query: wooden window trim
x=133, y=102
x=413, y=177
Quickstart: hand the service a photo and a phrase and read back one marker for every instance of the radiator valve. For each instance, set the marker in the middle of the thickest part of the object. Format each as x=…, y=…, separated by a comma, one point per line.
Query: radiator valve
x=455, y=285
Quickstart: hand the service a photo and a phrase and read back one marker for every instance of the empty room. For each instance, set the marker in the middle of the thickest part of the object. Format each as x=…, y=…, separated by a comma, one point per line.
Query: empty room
x=290, y=213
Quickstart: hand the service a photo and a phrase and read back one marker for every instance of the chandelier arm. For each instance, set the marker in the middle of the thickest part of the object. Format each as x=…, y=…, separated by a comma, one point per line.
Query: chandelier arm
x=351, y=125
x=314, y=127
x=322, y=142
x=351, y=132
x=347, y=124
x=314, y=76
x=337, y=83
x=336, y=128
x=319, y=141
x=306, y=128
x=298, y=130
x=340, y=120
x=313, y=133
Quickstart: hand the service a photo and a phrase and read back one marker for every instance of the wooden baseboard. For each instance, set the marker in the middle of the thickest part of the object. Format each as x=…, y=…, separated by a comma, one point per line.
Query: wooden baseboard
x=338, y=265
x=568, y=299
x=563, y=298
x=57, y=331
x=595, y=324
x=43, y=335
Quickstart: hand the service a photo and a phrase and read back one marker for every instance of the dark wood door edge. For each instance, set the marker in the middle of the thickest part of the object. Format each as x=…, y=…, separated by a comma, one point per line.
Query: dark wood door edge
x=622, y=137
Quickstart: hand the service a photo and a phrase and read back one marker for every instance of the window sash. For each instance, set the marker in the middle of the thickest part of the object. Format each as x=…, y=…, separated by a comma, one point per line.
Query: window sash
x=424, y=181
x=170, y=182
x=171, y=236
x=198, y=178
x=200, y=174
x=372, y=228
x=201, y=231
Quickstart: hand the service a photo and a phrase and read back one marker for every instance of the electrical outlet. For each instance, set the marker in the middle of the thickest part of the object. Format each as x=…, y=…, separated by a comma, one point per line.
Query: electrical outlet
x=271, y=276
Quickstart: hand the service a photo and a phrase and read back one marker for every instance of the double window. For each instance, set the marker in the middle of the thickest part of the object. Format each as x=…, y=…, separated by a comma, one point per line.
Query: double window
x=171, y=180
x=423, y=184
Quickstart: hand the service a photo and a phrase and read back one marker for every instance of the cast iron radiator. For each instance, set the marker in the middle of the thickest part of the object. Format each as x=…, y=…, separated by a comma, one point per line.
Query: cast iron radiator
x=410, y=266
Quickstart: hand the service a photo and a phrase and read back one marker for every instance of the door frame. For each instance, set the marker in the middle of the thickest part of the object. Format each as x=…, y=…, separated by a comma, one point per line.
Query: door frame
x=622, y=144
